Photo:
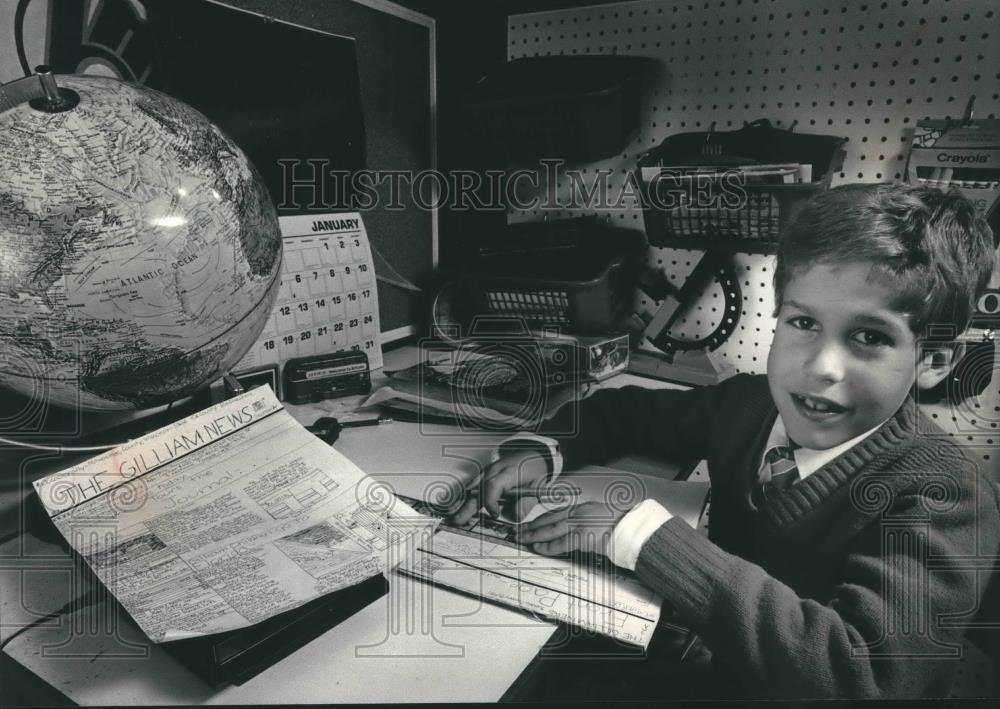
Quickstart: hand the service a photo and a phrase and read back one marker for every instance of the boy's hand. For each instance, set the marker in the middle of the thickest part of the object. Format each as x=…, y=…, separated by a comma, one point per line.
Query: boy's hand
x=585, y=527
x=520, y=469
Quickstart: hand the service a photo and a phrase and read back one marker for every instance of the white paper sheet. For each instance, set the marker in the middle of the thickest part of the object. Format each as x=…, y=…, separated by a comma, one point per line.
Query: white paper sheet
x=482, y=559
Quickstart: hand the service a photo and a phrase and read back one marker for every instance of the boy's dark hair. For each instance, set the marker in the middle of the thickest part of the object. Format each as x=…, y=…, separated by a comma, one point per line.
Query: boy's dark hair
x=929, y=243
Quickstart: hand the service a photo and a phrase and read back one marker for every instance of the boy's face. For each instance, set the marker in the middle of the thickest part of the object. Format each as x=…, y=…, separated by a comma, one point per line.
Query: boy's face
x=842, y=360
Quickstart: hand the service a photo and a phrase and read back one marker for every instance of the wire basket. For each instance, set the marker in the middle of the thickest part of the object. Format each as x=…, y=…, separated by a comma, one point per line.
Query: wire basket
x=580, y=306
x=754, y=225
x=745, y=209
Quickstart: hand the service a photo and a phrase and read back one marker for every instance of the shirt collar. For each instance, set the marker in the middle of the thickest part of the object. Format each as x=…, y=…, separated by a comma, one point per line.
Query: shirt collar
x=809, y=460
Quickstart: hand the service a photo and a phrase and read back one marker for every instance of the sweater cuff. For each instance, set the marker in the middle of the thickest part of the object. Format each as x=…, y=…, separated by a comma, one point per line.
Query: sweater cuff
x=547, y=447
x=685, y=568
x=633, y=530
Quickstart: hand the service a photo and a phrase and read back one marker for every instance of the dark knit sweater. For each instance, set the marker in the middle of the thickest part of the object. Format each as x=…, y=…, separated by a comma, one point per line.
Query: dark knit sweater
x=859, y=581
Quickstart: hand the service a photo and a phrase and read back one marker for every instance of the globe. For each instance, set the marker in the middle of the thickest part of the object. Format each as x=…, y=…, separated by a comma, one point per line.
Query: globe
x=140, y=253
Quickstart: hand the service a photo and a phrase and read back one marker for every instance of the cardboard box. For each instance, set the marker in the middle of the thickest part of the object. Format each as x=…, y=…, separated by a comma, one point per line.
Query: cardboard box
x=585, y=357
x=964, y=155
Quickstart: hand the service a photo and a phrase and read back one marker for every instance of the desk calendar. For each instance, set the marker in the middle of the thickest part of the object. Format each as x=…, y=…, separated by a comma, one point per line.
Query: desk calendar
x=328, y=300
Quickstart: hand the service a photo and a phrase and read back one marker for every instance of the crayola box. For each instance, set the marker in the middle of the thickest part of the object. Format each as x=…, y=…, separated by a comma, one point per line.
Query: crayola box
x=959, y=154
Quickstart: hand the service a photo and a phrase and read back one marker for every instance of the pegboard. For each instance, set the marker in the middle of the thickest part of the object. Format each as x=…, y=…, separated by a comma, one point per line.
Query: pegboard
x=867, y=71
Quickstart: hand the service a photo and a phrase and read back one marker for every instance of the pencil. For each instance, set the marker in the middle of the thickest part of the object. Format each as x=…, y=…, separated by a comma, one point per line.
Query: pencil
x=548, y=493
x=692, y=637
x=356, y=423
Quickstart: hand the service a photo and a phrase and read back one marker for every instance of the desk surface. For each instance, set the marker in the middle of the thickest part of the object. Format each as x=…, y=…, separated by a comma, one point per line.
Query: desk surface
x=418, y=644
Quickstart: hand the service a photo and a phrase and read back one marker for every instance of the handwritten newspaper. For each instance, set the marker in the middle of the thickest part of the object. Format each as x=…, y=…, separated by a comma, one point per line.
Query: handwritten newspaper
x=226, y=518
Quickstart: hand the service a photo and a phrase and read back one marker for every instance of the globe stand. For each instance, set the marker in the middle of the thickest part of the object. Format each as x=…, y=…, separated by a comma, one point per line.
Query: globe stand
x=53, y=98
x=34, y=423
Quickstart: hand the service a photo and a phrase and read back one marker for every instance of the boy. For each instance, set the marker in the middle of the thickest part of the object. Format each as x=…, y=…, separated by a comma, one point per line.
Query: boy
x=846, y=529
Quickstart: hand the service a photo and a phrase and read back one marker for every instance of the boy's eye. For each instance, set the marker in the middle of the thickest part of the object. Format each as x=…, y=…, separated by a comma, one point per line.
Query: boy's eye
x=872, y=338
x=802, y=322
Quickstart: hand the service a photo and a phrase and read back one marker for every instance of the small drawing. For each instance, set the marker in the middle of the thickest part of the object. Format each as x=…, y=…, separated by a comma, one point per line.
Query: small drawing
x=125, y=552
x=321, y=549
x=285, y=502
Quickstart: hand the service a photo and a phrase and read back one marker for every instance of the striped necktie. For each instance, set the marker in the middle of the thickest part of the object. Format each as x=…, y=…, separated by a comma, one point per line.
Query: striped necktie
x=778, y=472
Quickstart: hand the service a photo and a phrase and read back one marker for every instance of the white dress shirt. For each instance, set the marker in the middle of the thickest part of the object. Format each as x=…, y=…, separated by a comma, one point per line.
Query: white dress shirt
x=555, y=457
